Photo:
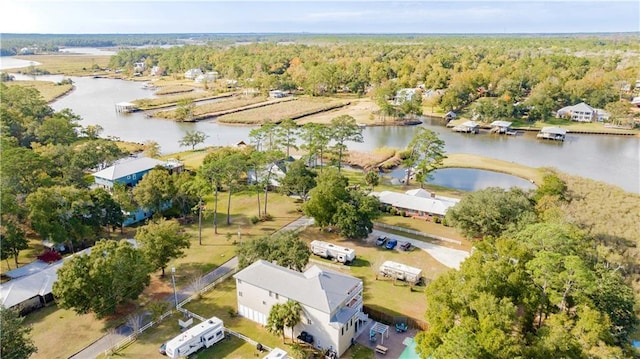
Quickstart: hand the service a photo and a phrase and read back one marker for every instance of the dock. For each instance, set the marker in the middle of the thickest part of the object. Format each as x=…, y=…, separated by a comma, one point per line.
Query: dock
x=126, y=107
x=467, y=127
x=552, y=133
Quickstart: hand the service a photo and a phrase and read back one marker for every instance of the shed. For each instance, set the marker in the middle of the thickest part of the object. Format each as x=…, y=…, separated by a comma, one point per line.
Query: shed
x=450, y=116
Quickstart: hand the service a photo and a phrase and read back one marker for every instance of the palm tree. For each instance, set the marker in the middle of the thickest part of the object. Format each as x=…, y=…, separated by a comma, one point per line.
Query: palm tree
x=292, y=315
x=276, y=320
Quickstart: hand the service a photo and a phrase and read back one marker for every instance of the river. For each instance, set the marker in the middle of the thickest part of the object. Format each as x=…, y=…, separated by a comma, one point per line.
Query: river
x=611, y=159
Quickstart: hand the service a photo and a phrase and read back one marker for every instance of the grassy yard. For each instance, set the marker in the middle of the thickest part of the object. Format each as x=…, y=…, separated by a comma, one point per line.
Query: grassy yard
x=52, y=326
x=48, y=90
x=150, y=103
x=70, y=65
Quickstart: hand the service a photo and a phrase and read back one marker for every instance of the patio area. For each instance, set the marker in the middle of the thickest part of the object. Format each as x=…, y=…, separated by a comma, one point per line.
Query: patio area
x=393, y=341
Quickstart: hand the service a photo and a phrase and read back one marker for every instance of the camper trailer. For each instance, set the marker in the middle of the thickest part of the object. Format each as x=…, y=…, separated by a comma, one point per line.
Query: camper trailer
x=401, y=272
x=331, y=251
x=200, y=336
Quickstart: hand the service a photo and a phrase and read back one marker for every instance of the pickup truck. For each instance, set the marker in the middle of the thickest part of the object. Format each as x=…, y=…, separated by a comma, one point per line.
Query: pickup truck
x=381, y=241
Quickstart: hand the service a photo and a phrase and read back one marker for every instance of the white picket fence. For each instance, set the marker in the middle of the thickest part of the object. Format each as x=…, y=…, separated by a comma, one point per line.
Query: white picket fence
x=247, y=339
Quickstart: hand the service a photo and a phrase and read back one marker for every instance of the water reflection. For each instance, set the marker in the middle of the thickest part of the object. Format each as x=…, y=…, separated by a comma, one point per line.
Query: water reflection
x=612, y=159
x=468, y=179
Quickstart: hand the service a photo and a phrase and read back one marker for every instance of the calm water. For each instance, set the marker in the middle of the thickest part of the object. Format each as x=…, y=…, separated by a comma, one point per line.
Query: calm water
x=468, y=179
x=7, y=62
x=612, y=159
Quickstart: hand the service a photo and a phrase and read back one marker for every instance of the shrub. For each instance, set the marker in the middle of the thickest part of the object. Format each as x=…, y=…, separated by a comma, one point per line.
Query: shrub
x=254, y=219
x=444, y=222
x=437, y=219
x=266, y=217
x=50, y=256
x=393, y=211
x=403, y=213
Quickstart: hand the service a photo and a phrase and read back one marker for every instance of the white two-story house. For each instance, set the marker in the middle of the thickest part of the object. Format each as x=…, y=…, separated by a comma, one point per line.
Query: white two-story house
x=331, y=302
x=582, y=113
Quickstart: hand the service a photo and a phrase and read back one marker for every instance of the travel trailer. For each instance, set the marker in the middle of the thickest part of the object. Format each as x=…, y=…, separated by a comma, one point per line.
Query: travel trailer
x=401, y=272
x=331, y=251
x=193, y=339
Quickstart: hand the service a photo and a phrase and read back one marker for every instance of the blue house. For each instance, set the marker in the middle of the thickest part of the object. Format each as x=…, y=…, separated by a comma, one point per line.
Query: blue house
x=129, y=172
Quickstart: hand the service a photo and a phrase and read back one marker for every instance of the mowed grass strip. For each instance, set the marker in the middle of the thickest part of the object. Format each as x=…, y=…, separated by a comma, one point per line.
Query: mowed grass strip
x=281, y=111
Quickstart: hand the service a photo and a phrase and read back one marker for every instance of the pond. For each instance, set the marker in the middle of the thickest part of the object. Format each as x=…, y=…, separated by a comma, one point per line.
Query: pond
x=469, y=179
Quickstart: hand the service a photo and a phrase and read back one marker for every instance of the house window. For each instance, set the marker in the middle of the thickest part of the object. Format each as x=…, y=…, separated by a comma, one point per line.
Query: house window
x=342, y=331
x=239, y=294
x=309, y=321
x=270, y=293
x=239, y=281
x=276, y=295
x=264, y=303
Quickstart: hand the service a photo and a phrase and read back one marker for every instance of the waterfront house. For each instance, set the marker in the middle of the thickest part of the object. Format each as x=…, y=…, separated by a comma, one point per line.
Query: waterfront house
x=417, y=202
x=404, y=95
x=191, y=74
x=449, y=116
x=331, y=301
x=277, y=94
x=552, y=133
x=582, y=113
x=636, y=101
x=206, y=78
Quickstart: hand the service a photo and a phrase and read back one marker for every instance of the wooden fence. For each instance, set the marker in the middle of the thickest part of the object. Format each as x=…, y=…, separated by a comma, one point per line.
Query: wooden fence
x=386, y=318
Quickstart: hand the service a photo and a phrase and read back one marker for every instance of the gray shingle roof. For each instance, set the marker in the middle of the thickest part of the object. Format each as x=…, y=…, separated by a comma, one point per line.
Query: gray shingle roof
x=123, y=169
x=318, y=288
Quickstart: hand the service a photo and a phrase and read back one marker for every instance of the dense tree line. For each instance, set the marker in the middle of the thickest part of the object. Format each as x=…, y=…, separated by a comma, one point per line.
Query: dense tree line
x=514, y=76
x=535, y=285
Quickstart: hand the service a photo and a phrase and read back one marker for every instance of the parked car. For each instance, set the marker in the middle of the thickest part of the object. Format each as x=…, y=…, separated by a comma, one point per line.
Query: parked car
x=163, y=349
x=405, y=246
x=381, y=241
x=306, y=337
x=391, y=244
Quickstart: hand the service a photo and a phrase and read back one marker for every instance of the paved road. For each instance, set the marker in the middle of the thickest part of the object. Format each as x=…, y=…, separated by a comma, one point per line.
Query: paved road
x=448, y=256
x=109, y=340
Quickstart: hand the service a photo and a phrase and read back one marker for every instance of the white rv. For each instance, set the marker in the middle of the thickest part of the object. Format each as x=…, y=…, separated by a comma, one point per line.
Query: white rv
x=193, y=339
x=401, y=271
x=331, y=251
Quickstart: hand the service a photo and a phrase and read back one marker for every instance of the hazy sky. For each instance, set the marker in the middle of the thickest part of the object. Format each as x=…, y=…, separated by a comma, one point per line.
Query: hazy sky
x=426, y=16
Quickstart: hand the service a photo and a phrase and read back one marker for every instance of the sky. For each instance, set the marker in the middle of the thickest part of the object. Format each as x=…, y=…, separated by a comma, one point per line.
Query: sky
x=296, y=16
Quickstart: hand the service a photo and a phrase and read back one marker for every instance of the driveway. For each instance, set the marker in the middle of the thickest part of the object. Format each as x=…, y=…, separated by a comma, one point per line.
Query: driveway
x=448, y=256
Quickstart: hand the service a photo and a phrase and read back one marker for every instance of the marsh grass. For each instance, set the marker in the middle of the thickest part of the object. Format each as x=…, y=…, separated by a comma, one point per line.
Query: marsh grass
x=70, y=65
x=368, y=160
x=48, y=90
x=222, y=105
x=281, y=111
